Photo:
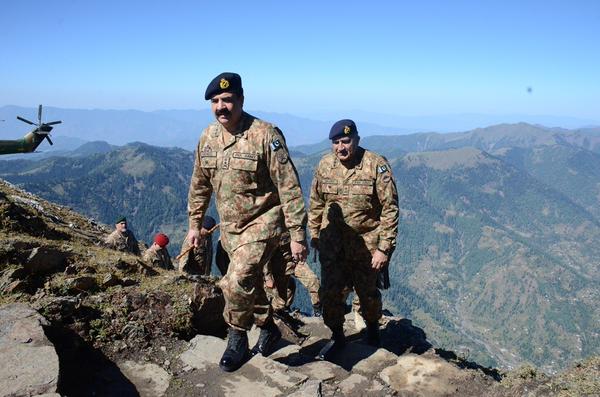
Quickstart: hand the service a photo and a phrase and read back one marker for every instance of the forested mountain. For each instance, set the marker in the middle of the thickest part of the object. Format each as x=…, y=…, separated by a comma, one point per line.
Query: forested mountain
x=499, y=240
x=491, y=138
x=147, y=184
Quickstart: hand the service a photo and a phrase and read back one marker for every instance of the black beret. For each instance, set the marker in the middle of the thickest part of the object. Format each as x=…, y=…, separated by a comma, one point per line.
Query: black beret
x=120, y=219
x=343, y=128
x=225, y=82
x=208, y=222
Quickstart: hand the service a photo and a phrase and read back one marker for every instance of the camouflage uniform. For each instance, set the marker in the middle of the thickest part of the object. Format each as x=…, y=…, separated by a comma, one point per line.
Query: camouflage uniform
x=353, y=212
x=199, y=259
x=158, y=257
x=282, y=269
x=256, y=187
x=309, y=279
x=125, y=242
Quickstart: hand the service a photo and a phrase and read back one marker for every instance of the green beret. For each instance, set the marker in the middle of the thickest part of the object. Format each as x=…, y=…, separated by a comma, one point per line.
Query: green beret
x=120, y=219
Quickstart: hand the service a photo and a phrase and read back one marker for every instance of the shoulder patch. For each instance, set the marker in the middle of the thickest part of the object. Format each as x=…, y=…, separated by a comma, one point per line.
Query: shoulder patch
x=276, y=145
x=282, y=157
x=382, y=168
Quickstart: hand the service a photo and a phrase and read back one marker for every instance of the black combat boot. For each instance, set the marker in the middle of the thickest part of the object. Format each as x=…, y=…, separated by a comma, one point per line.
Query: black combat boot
x=268, y=338
x=236, y=352
x=334, y=346
x=317, y=310
x=373, y=334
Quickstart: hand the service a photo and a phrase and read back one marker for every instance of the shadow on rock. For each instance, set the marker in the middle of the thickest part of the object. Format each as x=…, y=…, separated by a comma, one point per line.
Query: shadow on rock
x=85, y=371
x=401, y=336
x=450, y=356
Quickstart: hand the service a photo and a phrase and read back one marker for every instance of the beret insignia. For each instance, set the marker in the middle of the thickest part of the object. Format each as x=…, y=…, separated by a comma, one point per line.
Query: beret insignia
x=346, y=129
x=223, y=84
x=382, y=168
x=275, y=145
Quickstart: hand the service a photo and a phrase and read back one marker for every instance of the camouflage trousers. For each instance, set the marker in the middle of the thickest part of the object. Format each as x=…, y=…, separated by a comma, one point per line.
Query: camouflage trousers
x=285, y=287
x=283, y=271
x=243, y=288
x=342, y=273
x=198, y=260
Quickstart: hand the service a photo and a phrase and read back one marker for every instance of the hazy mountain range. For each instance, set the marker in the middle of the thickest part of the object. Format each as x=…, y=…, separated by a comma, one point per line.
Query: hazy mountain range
x=181, y=128
x=499, y=241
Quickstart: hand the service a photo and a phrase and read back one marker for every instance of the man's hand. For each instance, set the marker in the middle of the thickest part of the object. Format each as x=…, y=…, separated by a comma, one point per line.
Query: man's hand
x=299, y=251
x=193, y=237
x=379, y=260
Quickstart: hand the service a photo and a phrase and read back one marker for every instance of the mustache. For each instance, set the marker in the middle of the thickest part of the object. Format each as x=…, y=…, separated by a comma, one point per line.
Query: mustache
x=223, y=112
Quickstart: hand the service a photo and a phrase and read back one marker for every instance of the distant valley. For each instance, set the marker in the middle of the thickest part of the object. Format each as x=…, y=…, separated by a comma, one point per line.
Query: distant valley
x=499, y=242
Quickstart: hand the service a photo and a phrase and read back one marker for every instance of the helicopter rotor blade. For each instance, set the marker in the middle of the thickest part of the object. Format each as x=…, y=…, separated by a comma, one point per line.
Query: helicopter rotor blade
x=49, y=140
x=40, y=115
x=53, y=122
x=25, y=120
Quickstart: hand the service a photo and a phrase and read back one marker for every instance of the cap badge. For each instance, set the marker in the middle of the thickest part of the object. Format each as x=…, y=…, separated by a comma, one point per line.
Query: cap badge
x=346, y=129
x=223, y=84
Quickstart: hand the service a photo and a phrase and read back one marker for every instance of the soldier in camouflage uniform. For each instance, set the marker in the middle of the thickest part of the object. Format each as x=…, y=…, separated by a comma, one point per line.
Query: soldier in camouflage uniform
x=198, y=260
x=157, y=255
x=353, y=221
x=122, y=239
x=246, y=163
x=281, y=273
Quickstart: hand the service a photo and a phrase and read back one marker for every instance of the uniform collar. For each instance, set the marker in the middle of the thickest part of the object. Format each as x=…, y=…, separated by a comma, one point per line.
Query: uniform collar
x=360, y=152
x=242, y=130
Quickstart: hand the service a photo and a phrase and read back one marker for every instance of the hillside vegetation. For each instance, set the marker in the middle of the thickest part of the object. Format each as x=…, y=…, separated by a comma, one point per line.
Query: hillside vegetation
x=498, y=243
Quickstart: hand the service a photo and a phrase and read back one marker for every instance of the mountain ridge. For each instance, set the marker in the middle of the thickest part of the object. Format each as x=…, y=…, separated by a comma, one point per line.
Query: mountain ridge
x=115, y=326
x=470, y=236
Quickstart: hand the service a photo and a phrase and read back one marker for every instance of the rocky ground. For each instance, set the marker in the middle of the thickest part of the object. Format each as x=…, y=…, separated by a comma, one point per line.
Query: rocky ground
x=77, y=319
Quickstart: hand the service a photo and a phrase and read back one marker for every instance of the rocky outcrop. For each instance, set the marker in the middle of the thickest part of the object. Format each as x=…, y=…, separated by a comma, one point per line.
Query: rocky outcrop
x=120, y=327
x=360, y=369
x=29, y=360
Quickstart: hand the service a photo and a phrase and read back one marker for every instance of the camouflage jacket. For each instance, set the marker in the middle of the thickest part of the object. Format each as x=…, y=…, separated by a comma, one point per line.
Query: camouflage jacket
x=158, y=257
x=255, y=183
x=366, y=197
x=125, y=242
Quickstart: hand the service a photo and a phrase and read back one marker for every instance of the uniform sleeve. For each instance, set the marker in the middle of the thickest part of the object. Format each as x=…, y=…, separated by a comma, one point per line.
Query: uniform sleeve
x=200, y=190
x=285, y=177
x=317, y=204
x=388, y=197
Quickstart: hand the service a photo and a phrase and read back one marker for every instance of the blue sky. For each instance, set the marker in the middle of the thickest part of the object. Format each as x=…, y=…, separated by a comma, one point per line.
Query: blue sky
x=306, y=58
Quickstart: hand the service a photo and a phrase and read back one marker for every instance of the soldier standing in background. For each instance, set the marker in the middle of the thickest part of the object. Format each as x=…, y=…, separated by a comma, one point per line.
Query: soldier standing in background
x=122, y=239
x=157, y=255
x=198, y=260
x=246, y=163
x=353, y=221
x=280, y=275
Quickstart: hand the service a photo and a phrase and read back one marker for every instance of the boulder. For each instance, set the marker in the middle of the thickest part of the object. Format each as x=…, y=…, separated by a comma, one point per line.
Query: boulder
x=110, y=280
x=29, y=361
x=81, y=284
x=15, y=286
x=208, y=303
x=44, y=260
x=150, y=380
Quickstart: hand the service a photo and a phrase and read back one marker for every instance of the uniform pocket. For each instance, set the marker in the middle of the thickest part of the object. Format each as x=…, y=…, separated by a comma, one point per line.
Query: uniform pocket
x=361, y=192
x=208, y=159
x=329, y=187
x=243, y=168
x=244, y=161
x=361, y=187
